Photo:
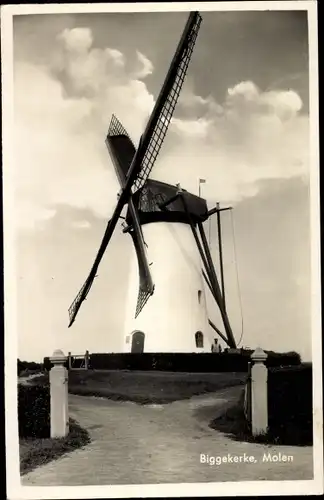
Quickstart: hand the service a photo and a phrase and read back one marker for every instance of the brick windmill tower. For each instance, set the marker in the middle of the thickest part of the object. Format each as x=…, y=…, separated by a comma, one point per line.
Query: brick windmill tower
x=166, y=304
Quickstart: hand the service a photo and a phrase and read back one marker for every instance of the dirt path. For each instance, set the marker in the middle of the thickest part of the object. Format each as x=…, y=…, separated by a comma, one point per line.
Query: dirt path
x=133, y=444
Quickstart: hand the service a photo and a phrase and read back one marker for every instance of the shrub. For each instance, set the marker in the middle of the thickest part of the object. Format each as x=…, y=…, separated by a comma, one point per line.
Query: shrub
x=187, y=362
x=225, y=361
x=34, y=411
x=28, y=366
x=290, y=404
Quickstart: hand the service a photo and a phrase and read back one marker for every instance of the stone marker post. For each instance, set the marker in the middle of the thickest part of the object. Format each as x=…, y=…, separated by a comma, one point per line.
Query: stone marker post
x=259, y=392
x=59, y=396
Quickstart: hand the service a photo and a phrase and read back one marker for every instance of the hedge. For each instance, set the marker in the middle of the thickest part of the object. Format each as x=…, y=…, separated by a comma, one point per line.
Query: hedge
x=185, y=362
x=290, y=403
x=34, y=411
x=28, y=365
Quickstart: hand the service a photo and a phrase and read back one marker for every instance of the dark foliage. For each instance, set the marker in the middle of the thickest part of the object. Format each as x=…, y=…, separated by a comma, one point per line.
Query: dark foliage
x=180, y=362
x=290, y=410
x=28, y=366
x=290, y=404
x=187, y=362
x=34, y=411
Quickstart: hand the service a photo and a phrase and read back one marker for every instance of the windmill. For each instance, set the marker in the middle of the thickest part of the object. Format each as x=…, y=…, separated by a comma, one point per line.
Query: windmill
x=165, y=222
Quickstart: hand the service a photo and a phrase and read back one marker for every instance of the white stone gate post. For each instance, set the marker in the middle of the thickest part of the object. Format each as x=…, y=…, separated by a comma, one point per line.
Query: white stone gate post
x=259, y=392
x=59, y=395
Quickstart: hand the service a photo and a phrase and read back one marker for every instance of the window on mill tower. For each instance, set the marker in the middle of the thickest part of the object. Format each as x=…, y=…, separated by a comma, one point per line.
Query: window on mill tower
x=199, y=296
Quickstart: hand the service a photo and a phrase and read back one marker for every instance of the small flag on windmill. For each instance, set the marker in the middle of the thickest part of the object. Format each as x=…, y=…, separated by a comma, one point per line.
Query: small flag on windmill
x=201, y=181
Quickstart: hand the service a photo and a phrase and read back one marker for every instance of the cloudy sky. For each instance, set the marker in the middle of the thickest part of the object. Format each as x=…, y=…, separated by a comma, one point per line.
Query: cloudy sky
x=241, y=123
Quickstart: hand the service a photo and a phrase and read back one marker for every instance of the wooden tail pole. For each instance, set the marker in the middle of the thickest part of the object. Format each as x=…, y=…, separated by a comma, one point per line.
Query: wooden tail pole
x=216, y=287
x=217, y=330
x=210, y=270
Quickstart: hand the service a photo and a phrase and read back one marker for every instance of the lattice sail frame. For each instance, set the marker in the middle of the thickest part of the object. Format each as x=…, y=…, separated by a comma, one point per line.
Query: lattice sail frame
x=166, y=112
x=146, y=286
x=117, y=128
x=143, y=296
x=82, y=295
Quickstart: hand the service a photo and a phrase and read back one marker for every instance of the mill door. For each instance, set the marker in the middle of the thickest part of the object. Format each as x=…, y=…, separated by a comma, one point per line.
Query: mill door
x=138, y=342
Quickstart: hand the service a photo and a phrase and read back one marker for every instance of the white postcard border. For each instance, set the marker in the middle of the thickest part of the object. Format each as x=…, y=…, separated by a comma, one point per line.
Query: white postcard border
x=15, y=490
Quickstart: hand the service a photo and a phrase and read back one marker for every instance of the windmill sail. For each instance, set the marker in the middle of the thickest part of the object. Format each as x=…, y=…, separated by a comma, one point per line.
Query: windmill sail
x=122, y=151
x=82, y=295
x=146, y=285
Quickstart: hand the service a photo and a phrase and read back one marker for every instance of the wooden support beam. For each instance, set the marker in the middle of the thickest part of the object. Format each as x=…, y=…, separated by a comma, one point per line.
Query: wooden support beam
x=214, y=327
x=217, y=209
x=214, y=282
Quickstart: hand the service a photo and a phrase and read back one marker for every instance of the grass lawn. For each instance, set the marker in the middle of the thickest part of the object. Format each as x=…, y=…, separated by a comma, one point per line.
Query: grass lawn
x=36, y=452
x=147, y=387
x=234, y=424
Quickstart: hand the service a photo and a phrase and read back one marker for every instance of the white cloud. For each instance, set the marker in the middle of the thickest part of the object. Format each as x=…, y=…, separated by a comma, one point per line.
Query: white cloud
x=283, y=104
x=253, y=136
x=60, y=152
x=76, y=39
x=82, y=224
x=145, y=66
x=191, y=128
x=192, y=104
x=116, y=55
x=245, y=90
x=31, y=215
